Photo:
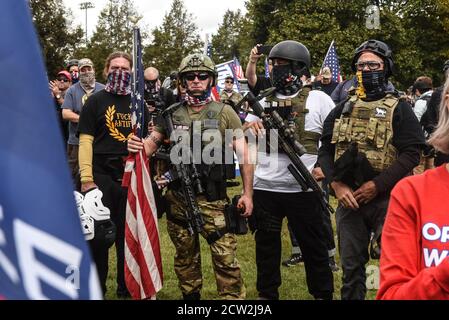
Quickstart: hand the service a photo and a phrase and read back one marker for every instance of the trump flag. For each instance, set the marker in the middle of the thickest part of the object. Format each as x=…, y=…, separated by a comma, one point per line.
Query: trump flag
x=43, y=254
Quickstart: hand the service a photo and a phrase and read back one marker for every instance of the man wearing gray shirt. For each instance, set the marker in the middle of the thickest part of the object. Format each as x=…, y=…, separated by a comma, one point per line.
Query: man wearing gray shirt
x=75, y=99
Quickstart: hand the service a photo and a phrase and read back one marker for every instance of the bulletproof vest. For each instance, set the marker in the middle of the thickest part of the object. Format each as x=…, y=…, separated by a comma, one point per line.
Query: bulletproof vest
x=369, y=123
x=213, y=176
x=293, y=111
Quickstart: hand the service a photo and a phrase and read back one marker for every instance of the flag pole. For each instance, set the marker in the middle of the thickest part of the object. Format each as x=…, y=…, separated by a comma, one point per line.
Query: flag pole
x=330, y=46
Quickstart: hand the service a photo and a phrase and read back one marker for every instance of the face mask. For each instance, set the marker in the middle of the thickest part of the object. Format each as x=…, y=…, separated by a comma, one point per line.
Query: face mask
x=87, y=80
x=119, y=82
x=286, y=81
x=373, y=82
x=198, y=100
x=74, y=75
x=152, y=87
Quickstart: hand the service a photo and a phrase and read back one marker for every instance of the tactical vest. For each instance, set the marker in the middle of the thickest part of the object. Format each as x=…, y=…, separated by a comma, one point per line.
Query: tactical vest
x=369, y=123
x=213, y=176
x=297, y=118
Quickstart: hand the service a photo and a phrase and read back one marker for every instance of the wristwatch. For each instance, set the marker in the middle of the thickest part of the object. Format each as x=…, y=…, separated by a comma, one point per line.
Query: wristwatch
x=58, y=96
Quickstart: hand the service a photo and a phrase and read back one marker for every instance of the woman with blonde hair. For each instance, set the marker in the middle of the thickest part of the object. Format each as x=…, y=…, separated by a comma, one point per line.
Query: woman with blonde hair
x=415, y=241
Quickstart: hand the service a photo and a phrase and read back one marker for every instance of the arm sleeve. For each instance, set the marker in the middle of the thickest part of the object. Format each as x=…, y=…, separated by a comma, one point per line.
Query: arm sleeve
x=68, y=100
x=85, y=157
x=401, y=276
x=326, y=152
x=408, y=138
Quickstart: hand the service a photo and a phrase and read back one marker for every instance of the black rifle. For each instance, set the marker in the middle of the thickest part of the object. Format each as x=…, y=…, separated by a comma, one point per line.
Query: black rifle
x=292, y=148
x=189, y=179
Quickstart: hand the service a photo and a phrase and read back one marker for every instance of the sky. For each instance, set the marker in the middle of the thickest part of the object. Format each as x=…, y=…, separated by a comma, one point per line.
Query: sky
x=208, y=13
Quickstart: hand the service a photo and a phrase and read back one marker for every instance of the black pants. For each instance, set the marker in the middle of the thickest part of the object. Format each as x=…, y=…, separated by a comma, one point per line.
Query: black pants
x=354, y=229
x=306, y=220
x=114, y=197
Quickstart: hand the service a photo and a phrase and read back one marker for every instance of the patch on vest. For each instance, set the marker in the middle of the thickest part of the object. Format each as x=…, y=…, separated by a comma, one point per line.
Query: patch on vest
x=180, y=126
x=380, y=112
x=211, y=114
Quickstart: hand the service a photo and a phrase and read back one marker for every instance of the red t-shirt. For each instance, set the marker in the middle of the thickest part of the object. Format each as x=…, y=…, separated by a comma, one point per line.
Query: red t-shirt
x=415, y=240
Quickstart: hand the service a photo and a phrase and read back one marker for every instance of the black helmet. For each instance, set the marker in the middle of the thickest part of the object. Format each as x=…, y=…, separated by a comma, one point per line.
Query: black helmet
x=105, y=234
x=379, y=48
x=446, y=65
x=291, y=50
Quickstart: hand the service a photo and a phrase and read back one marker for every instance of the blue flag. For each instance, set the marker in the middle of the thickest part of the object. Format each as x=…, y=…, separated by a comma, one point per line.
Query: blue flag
x=43, y=254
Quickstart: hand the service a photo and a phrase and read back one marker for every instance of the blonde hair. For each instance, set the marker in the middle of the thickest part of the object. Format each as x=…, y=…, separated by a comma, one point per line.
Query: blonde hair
x=440, y=137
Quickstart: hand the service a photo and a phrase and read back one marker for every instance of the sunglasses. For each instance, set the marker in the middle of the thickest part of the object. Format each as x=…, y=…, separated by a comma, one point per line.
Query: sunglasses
x=63, y=79
x=228, y=81
x=372, y=65
x=200, y=76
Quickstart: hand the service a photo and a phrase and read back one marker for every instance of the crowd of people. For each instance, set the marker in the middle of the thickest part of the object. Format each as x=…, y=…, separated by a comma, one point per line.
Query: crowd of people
x=380, y=152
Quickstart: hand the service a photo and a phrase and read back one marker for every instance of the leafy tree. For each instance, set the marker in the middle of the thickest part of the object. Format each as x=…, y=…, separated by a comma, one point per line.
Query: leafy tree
x=114, y=32
x=226, y=42
x=57, y=37
x=176, y=38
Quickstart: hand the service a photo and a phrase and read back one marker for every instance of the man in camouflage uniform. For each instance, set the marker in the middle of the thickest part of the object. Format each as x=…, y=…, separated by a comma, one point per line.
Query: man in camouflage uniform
x=228, y=95
x=198, y=74
x=370, y=141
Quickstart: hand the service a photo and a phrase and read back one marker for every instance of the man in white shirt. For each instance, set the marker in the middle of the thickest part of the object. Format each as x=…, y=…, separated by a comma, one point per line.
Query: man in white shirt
x=276, y=192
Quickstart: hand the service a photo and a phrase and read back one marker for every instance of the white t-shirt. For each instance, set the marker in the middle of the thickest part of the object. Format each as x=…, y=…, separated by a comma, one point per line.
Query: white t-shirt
x=420, y=106
x=272, y=172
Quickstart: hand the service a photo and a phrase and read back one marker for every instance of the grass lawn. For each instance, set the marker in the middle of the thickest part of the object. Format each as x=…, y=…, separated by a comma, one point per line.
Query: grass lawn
x=293, y=278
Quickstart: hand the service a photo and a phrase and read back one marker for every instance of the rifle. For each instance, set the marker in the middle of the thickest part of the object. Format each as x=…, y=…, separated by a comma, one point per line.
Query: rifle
x=292, y=148
x=190, y=181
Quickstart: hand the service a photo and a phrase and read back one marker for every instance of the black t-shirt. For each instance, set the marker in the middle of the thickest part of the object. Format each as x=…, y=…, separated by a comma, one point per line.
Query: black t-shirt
x=107, y=117
x=408, y=139
x=262, y=83
x=326, y=88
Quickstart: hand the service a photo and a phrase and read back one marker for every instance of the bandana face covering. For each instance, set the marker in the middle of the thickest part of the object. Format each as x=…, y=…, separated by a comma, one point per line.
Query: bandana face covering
x=286, y=81
x=74, y=75
x=374, y=83
x=119, y=82
x=87, y=80
x=198, y=100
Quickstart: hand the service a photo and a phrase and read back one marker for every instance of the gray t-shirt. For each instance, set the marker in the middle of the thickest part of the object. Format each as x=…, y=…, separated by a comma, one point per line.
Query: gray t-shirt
x=74, y=100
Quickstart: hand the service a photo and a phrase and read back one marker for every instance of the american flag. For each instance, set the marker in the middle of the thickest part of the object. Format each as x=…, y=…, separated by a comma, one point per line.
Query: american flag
x=331, y=61
x=215, y=95
x=143, y=264
x=237, y=71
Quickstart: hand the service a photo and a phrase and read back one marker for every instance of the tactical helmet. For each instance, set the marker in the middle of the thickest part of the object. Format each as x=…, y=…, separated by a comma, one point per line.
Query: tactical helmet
x=198, y=62
x=379, y=48
x=446, y=65
x=291, y=50
x=72, y=62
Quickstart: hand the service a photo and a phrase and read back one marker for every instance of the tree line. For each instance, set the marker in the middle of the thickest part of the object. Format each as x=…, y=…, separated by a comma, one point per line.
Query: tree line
x=416, y=30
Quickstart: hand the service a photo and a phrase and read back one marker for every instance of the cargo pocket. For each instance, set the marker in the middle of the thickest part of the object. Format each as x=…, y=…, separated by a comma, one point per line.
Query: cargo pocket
x=343, y=127
x=381, y=133
x=371, y=130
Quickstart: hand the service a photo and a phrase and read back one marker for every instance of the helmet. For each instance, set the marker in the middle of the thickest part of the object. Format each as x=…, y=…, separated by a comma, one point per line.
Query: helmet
x=93, y=206
x=95, y=218
x=87, y=223
x=379, y=48
x=198, y=62
x=72, y=62
x=291, y=50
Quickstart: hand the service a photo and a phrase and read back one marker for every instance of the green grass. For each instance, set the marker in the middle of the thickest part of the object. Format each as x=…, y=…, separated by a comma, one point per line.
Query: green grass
x=293, y=278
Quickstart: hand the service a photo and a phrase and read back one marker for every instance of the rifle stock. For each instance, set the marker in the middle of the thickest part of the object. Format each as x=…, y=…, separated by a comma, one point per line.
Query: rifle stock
x=190, y=182
x=292, y=148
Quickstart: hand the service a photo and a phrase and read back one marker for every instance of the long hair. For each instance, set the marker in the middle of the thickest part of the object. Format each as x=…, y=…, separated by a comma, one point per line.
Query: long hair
x=440, y=137
x=112, y=56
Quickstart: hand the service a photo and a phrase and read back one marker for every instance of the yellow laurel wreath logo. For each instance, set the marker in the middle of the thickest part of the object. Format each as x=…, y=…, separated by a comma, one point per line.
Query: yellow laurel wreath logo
x=113, y=131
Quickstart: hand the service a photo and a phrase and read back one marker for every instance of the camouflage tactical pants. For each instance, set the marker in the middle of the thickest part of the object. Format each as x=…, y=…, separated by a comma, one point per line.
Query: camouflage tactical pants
x=188, y=260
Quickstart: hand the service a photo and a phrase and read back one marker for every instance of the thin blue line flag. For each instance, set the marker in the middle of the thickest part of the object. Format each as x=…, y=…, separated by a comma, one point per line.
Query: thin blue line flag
x=43, y=254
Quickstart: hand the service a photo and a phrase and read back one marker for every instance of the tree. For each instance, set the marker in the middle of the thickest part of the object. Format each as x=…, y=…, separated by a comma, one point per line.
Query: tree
x=57, y=37
x=227, y=42
x=114, y=32
x=176, y=38
x=415, y=30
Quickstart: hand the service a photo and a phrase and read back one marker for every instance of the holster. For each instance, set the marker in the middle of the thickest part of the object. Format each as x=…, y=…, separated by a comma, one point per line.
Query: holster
x=235, y=223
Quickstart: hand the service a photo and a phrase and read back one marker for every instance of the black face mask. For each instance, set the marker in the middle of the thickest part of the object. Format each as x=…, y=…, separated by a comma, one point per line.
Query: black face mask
x=286, y=80
x=151, y=87
x=374, y=83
